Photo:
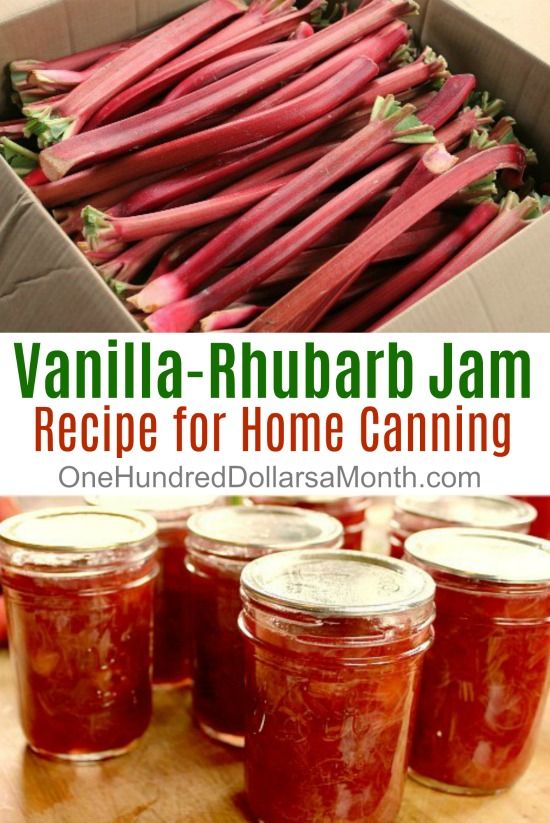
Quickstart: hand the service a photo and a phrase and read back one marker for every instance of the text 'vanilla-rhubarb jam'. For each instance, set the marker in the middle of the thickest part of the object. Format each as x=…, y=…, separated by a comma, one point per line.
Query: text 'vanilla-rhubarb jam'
x=173, y=633
x=350, y=511
x=221, y=542
x=486, y=677
x=79, y=588
x=414, y=514
x=334, y=643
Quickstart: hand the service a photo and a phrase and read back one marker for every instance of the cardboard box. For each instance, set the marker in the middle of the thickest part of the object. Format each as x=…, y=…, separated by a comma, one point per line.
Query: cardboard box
x=46, y=285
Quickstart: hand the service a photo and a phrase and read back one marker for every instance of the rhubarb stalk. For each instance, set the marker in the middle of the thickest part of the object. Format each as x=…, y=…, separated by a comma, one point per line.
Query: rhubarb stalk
x=304, y=235
x=224, y=67
x=390, y=121
x=394, y=289
x=265, y=22
x=376, y=47
x=129, y=263
x=318, y=108
x=167, y=119
x=514, y=216
x=310, y=300
x=68, y=117
x=100, y=229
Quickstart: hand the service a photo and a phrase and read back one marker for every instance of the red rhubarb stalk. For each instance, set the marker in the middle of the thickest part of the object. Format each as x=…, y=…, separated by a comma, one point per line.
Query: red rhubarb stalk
x=303, y=31
x=127, y=67
x=65, y=79
x=184, y=246
x=78, y=61
x=390, y=121
x=231, y=317
x=12, y=128
x=362, y=312
x=70, y=217
x=168, y=118
x=309, y=301
x=305, y=234
x=101, y=229
x=410, y=243
x=129, y=263
x=264, y=22
x=514, y=216
x=376, y=47
x=203, y=178
x=435, y=161
x=318, y=108
x=224, y=67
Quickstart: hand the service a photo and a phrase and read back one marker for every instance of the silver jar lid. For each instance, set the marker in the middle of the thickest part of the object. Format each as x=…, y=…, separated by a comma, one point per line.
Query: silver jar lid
x=485, y=555
x=336, y=583
x=479, y=512
x=264, y=528
x=163, y=508
x=77, y=529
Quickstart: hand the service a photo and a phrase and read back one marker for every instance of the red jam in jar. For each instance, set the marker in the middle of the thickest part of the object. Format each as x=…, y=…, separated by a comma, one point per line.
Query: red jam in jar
x=221, y=542
x=350, y=511
x=334, y=643
x=415, y=514
x=79, y=589
x=486, y=677
x=173, y=633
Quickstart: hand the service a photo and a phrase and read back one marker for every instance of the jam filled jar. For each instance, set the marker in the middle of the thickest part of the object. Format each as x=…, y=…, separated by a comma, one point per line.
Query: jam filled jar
x=415, y=514
x=541, y=526
x=350, y=511
x=79, y=589
x=334, y=643
x=486, y=677
x=173, y=637
x=221, y=542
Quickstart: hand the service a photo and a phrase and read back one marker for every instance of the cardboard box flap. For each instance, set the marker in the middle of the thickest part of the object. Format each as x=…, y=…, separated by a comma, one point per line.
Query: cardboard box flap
x=46, y=283
x=507, y=291
x=502, y=66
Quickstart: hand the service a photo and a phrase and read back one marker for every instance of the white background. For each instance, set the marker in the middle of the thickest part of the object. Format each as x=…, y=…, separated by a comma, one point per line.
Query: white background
x=526, y=470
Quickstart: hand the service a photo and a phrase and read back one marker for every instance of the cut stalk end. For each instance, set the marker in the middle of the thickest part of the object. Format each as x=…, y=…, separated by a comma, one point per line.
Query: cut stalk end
x=20, y=159
x=97, y=227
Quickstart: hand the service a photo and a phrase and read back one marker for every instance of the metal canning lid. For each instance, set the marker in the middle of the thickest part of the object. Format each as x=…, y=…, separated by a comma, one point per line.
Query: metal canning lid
x=488, y=555
x=346, y=583
x=163, y=508
x=479, y=512
x=314, y=498
x=267, y=528
x=76, y=528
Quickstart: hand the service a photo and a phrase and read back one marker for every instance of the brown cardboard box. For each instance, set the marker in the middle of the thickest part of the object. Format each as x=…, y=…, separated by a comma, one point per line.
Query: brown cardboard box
x=46, y=285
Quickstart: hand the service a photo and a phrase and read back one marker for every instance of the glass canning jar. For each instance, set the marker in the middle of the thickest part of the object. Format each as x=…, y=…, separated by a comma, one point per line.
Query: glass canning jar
x=350, y=511
x=221, y=542
x=172, y=631
x=334, y=643
x=486, y=677
x=541, y=526
x=79, y=585
x=415, y=514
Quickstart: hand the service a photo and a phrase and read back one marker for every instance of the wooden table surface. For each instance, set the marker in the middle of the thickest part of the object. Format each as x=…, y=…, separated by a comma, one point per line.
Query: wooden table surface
x=178, y=776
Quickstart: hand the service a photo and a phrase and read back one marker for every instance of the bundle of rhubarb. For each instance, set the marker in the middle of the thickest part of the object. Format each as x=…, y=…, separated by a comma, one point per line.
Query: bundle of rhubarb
x=270, y=168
